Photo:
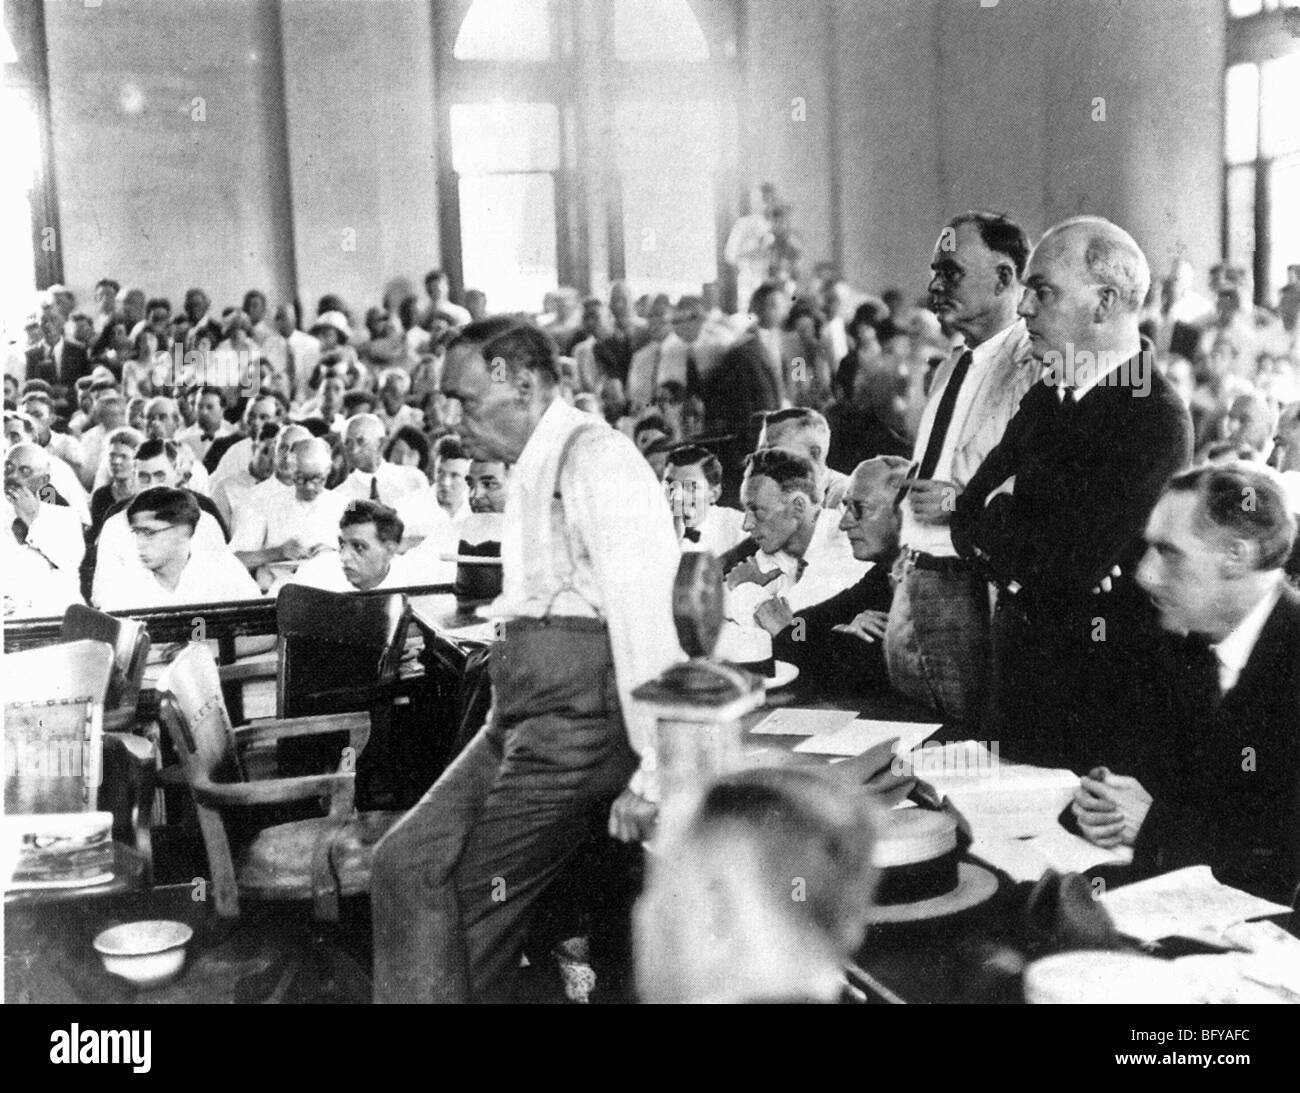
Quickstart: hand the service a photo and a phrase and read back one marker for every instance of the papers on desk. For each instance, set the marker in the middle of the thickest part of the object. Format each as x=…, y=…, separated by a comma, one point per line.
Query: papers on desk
x=1185, y=903
x=840, y=732
x=861, y=735
x=1013, y=810
x=800, y=722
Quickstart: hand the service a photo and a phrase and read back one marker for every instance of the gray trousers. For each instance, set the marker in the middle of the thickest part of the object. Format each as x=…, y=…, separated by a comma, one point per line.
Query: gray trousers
x=453, y=884
x=937, y=641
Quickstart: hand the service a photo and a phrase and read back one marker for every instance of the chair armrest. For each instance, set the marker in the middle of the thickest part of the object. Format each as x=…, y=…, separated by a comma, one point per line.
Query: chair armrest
x=340, y=787
x=247, y=671
x=356, y=725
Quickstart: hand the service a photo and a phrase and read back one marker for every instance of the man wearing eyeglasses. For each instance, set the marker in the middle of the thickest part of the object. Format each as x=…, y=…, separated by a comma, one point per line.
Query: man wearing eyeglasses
x=838, y=644
x=274, y=539
x=163, y=521
x=114, y=558
x=38, y=518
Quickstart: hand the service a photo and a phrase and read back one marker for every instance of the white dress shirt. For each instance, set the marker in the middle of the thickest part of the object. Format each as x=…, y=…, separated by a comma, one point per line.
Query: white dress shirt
x=1234, y=651
x=325, y=571
x=192, y=437
x=720, y=530
x=208, y=577
x=312, y=523
x=233, y=460
x=32, y=587
x=830, y=569
x=607, y=551
x=55, y=533
x=233, y=494
x=424, y=518
x=118, y=565
x=394, y=483
x=68, y=486
x=936, y=539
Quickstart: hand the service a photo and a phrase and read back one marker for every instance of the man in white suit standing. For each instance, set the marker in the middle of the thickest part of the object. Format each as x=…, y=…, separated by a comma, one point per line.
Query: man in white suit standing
x=937, y=640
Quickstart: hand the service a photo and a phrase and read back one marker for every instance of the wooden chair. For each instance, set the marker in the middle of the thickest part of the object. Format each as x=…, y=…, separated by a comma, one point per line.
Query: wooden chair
x=339, y=653
x=129, y=641
x=320, y=858
x=54, y=708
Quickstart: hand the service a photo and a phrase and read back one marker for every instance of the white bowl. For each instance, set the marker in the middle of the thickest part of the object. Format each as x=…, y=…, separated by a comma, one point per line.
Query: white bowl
x=147, y=954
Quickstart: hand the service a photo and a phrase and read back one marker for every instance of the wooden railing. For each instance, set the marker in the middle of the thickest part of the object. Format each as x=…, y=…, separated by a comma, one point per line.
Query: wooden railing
x=220, y=622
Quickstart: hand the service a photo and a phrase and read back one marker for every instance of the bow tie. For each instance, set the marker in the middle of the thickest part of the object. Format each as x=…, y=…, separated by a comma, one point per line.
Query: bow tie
x=693, y=534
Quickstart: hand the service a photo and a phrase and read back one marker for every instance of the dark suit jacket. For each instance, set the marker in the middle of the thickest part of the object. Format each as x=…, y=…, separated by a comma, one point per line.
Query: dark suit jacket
x=1087, y=477
x=217, y=449
x=741, y=386
x=835, y=663
x=1225, y=773
x=74, y=365
x=40, y=364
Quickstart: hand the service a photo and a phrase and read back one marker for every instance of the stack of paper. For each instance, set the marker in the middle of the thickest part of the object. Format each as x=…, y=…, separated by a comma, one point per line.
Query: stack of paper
x=794, y=721
x=1185, y=903
x=860, y=735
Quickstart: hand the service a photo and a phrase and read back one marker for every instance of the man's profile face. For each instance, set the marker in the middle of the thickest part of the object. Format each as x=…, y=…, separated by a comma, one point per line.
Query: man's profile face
x=361, y=446
x=121, y=462
x=263, y=462
x=263, y=412
x=1059, y=301
x=870, y=519
x=494, y=423
x=157, y=471
x=364, y=556
x=1180, y=571
x=157, y=542
x=689, y=492
x=771, y=517
x=487, y=486
x=963, y=276
x=450, y=482
x=160, y=422
x=1286, y=446
x=40, y=414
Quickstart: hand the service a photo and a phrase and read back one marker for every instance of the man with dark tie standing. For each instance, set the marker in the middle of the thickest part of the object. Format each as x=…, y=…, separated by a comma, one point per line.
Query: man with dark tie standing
x=1054, y=515
x=937, y=640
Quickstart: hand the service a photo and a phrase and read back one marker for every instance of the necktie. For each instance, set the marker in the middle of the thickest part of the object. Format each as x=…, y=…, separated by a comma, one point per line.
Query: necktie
x=1203, y=672
x=943, y=416
x=20, y=530
x=374, y=488
x=692, y=534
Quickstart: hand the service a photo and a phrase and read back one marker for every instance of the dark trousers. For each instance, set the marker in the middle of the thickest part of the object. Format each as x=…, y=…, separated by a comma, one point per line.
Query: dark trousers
x=454, y=884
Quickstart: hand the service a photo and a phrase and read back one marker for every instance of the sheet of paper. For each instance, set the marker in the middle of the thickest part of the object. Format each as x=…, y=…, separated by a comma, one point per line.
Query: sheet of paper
x=1069, y=853
x=1015, y=857
x=794, y=721
x=1184, y=900
x=860, y=735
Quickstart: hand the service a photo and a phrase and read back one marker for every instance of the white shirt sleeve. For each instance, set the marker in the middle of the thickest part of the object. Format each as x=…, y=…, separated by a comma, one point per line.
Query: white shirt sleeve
x=617, y=511
x=56, y=533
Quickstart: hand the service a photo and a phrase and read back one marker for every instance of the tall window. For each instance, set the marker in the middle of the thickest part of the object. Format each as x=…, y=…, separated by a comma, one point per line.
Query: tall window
x=1262, y=141
x=584, y=141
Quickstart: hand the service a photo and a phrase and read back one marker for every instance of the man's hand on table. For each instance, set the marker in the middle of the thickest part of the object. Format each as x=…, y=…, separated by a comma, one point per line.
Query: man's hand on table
x=1110, y=808
x=632, y=818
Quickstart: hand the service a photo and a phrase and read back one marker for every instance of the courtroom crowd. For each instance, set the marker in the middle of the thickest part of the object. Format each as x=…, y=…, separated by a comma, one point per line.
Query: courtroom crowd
x=1094, y=568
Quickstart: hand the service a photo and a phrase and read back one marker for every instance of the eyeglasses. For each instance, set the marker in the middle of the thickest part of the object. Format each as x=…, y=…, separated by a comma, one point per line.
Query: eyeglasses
x=862, y=510
x=309, y=479
x=149, y=533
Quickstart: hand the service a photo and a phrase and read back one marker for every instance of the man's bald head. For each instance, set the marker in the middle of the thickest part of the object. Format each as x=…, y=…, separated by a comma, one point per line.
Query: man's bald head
x=362, y=443
x=28, y=455
x=289, y=437
x=1105, y=253
x=312, y=465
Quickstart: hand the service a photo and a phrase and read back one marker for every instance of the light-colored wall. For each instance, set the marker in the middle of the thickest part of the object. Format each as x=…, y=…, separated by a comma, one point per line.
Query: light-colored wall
x=925, y=108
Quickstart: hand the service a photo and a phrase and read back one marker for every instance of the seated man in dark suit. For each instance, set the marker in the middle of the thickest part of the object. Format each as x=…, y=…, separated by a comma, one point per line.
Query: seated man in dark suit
x=838, y=644
x=1219, y=783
